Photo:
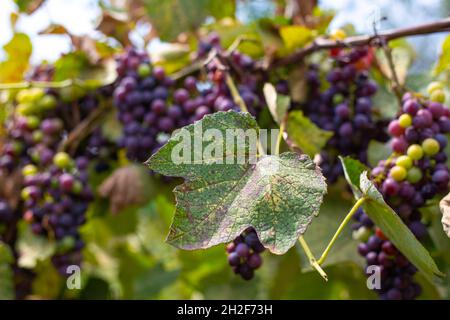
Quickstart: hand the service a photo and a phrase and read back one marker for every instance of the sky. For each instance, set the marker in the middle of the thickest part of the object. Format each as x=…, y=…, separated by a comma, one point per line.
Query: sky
x=80, y=17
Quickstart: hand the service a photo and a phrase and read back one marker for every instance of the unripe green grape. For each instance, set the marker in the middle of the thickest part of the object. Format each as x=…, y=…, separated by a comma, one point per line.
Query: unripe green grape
x=33, y=122
x=338, y=98
x=405, y=120
x=438, y=96
x=26, y=109
x=144, y=70
x=25, y=194
x=47, y=102
x=361, y=234
x=398, y=173
x=404, y=161
x=77, y=187
x=62, y=160
x=430, y=146
x=415, y=152
x=30, y=95
x=38, y=136
x=433, y=86
x=414, y=175
x=29, y=170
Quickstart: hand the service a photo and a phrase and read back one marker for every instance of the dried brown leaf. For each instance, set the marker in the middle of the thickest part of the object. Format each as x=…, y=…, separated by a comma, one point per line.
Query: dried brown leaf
x=445, y=209
x=124, y=188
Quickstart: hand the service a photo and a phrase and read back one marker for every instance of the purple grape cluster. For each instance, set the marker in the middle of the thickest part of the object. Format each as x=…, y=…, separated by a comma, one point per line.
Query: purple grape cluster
x=151, y=105
x=244, y=254
x=56, y=199
x=415, y=172
x=55, y=192
x=344, y=107
x=142, y=97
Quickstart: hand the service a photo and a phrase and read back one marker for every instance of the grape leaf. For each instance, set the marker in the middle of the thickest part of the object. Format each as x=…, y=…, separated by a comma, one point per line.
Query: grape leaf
x=6, y=274
x=295, y=37
x=18, y=51
x=28, y=6
x=172, y=17
x=444, y=58
x=277, y=195
x=32, y=248
x=305, y=134
x=278, y=104
x=387, y=220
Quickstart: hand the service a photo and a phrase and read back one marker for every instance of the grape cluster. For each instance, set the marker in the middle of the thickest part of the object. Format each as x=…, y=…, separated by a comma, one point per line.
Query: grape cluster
x=415, y=173
x=55, y=193
x=342, y=104
x=56, y=199
x=244, y=254
x=151, y=105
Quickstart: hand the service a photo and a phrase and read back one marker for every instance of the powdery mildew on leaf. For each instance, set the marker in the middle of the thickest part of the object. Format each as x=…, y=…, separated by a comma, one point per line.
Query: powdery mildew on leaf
x=278, y=196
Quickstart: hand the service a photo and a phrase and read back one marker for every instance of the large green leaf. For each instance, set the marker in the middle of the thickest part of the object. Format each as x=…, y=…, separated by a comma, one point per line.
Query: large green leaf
x=277, y=195
x=6, y=274
x=387, y=220
x=305, y=134
x=172, y=17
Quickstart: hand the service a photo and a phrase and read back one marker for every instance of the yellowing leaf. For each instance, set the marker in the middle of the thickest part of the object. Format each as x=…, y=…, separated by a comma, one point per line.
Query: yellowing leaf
x=18, y=52
x=444, y=59
x=295, y=37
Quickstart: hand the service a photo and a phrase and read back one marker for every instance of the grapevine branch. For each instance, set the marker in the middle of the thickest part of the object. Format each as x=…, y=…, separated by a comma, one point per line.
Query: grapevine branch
x=83, y=129
x=321, y=43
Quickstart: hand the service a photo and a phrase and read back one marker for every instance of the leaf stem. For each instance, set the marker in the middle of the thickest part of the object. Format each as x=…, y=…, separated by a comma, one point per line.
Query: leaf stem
x=280, y=138
x=341, y=228
x=311, y=258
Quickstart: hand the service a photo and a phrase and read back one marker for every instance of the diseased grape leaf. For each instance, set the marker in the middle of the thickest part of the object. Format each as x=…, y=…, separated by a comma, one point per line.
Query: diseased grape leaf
x=277, y=195
x=305, y=134
x=387, y=220
x=6, y=273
